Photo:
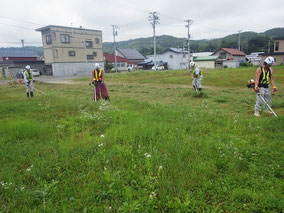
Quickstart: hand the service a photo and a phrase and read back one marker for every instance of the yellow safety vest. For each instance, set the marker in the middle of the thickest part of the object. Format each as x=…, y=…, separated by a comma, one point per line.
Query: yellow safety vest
x=264, y=78
x=200, y=73
x=98, y=76
x=29, y=75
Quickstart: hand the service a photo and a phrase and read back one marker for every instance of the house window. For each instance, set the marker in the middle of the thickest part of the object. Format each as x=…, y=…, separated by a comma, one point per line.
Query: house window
x=55, y=53
x=65, y=38
x=89, y=44
x=171, y=56
x=54, y=36
x=90, y=57
x=277, y=46
x=48, y=39
x=95, y=53
x=72, y=53
x=222, y=55
x=97, y=40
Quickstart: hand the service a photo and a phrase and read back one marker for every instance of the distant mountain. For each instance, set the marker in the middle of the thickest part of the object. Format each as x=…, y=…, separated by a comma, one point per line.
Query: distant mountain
x=275, y=32
x=250, y=42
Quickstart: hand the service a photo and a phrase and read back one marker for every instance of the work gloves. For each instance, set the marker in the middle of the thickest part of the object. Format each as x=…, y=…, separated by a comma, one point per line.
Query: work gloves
x=274, y=89
x=90, y=84
x=256, y=89
x=102, y=82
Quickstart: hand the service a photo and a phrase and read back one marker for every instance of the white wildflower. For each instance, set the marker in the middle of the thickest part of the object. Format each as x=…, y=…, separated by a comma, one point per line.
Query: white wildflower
x=160, y=167
x=102, y=136
x=147, y=155
x=100, y=145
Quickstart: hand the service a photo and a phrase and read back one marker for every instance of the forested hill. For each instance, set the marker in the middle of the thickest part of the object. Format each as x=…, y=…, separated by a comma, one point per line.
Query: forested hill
x=250, y=42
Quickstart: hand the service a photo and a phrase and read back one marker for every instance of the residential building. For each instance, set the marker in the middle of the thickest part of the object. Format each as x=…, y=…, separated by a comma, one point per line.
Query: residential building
x=176, y=58
x=120, y=61
x=230, y=54
x=71, y=51
x=278, y=53
x=18, y=58
x=206, y=61
x=133, y=56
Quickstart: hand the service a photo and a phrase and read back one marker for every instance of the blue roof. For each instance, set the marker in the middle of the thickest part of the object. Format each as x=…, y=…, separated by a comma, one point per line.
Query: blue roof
x=18, y=53
x=131, y=54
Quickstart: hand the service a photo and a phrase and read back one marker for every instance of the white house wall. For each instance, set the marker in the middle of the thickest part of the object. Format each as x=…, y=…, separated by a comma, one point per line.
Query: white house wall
x=176, y=62
x=71, y=69
x=205, y=64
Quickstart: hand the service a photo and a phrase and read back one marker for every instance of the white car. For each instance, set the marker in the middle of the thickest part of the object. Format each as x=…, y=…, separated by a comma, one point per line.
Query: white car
x=158, y=67
x=35, y=72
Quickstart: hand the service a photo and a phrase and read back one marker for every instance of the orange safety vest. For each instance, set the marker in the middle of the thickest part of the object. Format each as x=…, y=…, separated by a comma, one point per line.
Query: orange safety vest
x=97, y=76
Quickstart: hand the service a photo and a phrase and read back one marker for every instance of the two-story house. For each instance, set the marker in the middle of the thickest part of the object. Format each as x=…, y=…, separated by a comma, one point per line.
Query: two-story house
x=278, y=53
x=71, y=51
x=175, y=57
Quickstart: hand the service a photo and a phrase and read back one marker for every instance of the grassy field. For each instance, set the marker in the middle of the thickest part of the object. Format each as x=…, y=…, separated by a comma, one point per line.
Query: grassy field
x=156, y=146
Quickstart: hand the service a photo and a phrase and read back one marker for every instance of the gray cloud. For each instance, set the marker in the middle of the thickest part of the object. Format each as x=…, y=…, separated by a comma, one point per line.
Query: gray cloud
x=218, y=18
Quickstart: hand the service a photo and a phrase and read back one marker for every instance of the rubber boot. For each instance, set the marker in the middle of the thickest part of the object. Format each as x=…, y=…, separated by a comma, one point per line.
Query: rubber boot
x=256, y=113
x=27, y=94
x=32, y=94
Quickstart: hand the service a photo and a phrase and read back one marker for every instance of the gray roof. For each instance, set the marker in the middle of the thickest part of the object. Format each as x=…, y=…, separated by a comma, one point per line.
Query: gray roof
x=18, y=53
x=131, y=54
x=175, y=50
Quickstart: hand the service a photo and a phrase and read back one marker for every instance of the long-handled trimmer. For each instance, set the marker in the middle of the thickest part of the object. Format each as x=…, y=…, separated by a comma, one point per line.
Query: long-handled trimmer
x=39, y=91
x=195, y=85
x=259, y=94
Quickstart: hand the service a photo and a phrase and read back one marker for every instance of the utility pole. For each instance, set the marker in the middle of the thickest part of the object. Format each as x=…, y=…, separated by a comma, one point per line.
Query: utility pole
x=239, y=39
x=23, y=42
x=154, y=19
x=85, y=45
x=115, y=33
x=189, y=22
x=268, y=49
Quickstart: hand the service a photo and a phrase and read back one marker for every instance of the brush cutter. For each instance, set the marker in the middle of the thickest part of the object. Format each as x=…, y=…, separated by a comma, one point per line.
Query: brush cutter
x=259, y=94
x=251, y=85
x=195, y=85
x=39, y=91
x=95, y=85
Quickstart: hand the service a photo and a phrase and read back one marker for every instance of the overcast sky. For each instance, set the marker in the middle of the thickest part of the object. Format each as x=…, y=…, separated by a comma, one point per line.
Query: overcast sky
x=212, y=18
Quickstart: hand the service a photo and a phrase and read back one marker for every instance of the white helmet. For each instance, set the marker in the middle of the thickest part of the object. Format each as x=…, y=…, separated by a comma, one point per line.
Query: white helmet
x=191, y=64
x=269, y=60
x=97, y=65
x=28, y=67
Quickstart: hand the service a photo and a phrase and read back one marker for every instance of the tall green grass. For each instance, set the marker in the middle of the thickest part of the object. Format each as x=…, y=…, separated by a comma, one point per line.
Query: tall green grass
x=152, y=148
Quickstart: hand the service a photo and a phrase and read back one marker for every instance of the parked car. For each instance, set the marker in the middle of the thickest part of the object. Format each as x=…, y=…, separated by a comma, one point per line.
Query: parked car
x=35, y=72
x=131, y=67
x=20, y=74
x=158, y=67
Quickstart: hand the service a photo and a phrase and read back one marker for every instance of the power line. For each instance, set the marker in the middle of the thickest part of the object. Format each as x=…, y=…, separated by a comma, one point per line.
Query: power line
x=5, y=17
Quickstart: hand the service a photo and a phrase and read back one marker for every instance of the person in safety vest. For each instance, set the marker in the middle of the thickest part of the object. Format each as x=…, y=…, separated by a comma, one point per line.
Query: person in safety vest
x=196, y=76
x=264, y=75
x=29, y=79
x=98, y=80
